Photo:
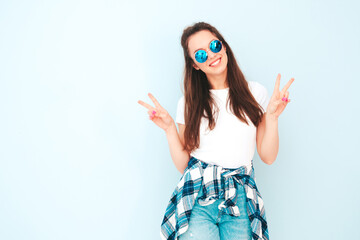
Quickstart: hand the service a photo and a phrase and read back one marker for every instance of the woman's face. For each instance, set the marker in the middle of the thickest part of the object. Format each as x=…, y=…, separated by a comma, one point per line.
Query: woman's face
x=201, y=40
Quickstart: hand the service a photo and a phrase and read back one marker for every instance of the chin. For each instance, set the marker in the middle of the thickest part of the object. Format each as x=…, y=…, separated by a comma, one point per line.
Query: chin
x=219, y=70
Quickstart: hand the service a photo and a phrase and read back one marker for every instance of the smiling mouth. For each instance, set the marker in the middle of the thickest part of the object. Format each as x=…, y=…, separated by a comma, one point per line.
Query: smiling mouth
x=215, y=63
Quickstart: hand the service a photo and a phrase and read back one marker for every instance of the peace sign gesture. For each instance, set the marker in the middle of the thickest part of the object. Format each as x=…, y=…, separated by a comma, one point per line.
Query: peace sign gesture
x=158, y=114
x=279, y=99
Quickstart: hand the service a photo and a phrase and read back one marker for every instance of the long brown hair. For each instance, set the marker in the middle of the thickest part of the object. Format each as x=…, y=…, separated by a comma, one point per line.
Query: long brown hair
x=198, y=100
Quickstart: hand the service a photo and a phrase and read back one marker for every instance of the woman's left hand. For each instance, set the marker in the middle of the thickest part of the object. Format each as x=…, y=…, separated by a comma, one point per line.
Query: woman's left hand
x=279, y=99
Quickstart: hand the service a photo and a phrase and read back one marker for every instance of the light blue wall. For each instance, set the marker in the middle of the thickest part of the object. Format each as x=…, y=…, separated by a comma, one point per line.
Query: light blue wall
x=79, y=158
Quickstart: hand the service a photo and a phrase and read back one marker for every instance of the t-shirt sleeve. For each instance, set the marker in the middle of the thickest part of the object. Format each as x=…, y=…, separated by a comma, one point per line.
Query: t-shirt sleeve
x=264, y=97
x=261, y=94
x=180, y=111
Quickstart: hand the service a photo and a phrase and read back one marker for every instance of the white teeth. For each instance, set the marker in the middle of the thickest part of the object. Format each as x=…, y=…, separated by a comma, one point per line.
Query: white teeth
x=215, y=62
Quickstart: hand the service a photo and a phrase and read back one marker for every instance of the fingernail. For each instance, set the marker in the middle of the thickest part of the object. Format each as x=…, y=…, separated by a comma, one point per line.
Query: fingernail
x=153, y=112
x=283, y=99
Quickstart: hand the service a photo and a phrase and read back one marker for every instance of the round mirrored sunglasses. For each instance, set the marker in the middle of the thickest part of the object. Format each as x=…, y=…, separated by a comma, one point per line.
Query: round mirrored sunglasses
x=201, y=55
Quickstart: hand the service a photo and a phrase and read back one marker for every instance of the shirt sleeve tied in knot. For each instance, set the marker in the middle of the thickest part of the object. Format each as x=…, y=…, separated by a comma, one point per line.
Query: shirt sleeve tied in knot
x=218, y=182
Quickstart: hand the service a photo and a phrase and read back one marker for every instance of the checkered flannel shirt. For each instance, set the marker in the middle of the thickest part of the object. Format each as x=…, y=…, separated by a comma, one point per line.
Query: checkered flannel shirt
x=216, y=181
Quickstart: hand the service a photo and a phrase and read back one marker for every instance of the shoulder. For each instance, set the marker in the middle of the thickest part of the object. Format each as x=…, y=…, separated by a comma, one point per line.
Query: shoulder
x=256, y=86
x=181, y=103
x=257, y=89
x=181, y=100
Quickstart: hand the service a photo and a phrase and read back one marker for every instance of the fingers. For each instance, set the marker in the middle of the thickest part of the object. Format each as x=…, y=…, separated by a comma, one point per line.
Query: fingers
x=278, y=102
x=153, y=111
x=277, y=83
x=286, y=99
x=286, y=95
x=153, y=114
x=148, y=106
x=156, y=113
x=157, y=104
x=283, y=99
x=286, y=87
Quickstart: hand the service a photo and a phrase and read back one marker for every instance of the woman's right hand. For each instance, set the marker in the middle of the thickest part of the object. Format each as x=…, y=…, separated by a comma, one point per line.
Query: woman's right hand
x=158, y=114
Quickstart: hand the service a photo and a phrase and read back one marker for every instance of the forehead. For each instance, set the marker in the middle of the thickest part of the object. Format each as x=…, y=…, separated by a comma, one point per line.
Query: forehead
x=200, y=39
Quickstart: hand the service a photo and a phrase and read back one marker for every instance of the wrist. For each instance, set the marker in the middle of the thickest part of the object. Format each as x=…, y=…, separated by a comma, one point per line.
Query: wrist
x=172, y=128
x=271, y=117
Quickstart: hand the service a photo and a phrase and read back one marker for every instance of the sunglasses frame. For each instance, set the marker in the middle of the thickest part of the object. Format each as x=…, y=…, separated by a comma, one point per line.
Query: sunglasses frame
x=204, y=54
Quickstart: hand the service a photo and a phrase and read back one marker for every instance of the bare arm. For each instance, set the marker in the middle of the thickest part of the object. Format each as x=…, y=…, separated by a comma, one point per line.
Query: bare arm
x=267, y=132
x=162, y=118
x=179, y=156
x=267, y=139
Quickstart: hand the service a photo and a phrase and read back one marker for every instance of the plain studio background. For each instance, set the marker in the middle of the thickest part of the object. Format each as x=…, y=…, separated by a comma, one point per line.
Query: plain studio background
x=79, y=158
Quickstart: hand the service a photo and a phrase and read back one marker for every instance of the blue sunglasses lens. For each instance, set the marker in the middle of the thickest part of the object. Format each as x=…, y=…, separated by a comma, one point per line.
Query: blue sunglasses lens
x=215, y=46
x=201, y=56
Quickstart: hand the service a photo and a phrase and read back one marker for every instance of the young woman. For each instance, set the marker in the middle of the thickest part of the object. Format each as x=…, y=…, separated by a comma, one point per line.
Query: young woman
x=221, y=118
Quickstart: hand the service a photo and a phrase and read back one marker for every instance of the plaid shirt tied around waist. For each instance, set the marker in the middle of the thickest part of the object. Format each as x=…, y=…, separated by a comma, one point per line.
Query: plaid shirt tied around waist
x=216, y=182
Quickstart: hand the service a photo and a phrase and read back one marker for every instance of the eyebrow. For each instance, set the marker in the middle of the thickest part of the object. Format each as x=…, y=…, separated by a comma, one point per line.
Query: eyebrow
x=202, y=48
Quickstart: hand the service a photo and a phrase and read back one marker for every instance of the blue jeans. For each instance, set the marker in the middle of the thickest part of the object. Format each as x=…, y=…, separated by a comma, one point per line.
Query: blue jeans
x=209, y=223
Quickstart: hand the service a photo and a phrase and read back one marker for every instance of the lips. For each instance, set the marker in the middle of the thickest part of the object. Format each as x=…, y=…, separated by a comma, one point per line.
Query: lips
x=215, y=61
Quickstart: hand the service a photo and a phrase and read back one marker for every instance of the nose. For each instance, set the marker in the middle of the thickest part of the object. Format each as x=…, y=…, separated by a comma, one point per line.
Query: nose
x=211, y=54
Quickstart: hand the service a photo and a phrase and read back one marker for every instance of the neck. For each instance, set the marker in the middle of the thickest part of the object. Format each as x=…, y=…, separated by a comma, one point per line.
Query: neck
x=218, y=81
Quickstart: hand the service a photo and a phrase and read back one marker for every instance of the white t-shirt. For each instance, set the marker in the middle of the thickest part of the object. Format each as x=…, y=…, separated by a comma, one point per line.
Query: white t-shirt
x=231, y=143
